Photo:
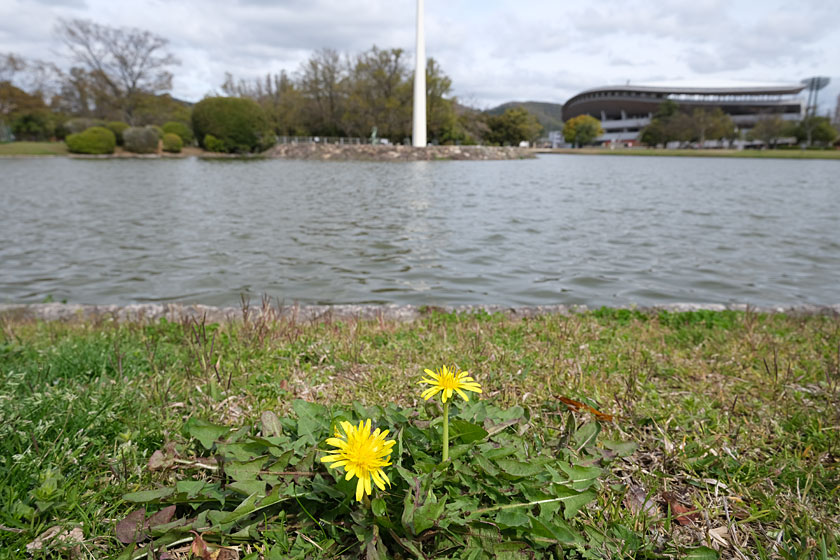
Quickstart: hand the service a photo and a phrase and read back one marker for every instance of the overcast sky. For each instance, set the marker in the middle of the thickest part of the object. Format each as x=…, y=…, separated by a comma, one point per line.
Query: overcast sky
x=494, y=50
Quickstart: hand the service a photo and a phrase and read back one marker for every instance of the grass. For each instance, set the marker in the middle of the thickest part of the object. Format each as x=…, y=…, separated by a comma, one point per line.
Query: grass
x=736, y=415
x=60, y=149
x=773, y=154
x=33, y=149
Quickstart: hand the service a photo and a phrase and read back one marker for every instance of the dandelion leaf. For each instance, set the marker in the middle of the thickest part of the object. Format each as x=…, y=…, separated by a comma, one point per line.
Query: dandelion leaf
x=467, y=432
x=205, y=432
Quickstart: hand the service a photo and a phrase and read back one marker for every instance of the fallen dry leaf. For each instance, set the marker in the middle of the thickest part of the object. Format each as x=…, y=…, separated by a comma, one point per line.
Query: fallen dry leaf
x=271, y=424
x=55, y=536
x=205, y=551
x=199, y=547
x=684, y=515
x=130, y=529
x=225, y=554
x=163, y=458
x=162, y=517
x=719, y=535
x=577, y=405
x=638, y=502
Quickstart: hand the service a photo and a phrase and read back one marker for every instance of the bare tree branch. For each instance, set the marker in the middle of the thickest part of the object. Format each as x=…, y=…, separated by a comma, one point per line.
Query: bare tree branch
x=124, y=62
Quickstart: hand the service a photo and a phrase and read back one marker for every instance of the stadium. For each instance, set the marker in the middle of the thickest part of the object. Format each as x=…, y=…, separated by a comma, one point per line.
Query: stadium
x=625, y=110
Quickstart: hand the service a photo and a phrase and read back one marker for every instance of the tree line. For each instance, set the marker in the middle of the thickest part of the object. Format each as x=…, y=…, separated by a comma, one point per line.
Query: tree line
x=125, y=75
x=672, y=123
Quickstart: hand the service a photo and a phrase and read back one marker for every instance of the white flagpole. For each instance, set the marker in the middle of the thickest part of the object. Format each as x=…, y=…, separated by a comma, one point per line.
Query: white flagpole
x=418, y=131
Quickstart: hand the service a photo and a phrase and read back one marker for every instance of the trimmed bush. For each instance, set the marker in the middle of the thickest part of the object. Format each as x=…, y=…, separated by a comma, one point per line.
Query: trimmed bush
x=140, y=140
x=94, y=140
x=74, y=126
x=172, y=143
x=239, y=124
x=181, y=129
x=213, y=144
x=118, y=127
x=158, y=130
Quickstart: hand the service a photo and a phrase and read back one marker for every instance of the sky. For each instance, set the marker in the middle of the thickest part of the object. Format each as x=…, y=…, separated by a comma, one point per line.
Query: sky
x=493, y=50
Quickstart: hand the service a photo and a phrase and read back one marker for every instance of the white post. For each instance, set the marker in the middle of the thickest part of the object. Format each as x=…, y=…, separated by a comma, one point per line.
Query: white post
x=418, y=131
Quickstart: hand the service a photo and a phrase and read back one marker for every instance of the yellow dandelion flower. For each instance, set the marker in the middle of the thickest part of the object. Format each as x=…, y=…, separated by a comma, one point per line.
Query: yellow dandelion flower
x=447, y=381
x=362, y=454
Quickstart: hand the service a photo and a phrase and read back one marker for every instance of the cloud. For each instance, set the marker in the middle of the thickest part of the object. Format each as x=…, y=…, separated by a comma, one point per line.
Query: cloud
x=494, y=51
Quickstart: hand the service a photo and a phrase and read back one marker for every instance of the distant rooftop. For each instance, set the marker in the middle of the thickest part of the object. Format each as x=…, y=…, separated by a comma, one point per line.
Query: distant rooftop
x=705, y=86
x=716, y=84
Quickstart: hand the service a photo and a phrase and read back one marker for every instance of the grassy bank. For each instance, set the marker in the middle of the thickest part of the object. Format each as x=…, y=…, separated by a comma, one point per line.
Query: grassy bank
x=735, y=418
x=33, y=149
x=773, y=154
x=60, y=149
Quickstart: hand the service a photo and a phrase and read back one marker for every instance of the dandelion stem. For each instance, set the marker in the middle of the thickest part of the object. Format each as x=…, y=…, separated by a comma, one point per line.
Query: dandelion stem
x=445, y=431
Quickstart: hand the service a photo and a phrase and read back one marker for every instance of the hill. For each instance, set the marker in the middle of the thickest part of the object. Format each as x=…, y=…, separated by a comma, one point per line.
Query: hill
x=550, y=115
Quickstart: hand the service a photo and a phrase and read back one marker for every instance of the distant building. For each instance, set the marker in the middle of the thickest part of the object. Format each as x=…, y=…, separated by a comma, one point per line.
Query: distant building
x=625, y=110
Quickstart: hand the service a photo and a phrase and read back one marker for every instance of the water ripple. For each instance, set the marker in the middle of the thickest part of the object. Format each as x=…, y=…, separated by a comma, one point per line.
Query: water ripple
x=562, y=229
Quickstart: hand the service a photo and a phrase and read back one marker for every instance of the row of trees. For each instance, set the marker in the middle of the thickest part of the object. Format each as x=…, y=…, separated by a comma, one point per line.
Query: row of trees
x=808, y=131
x=672, y=124
x=334, y=95
x=124, y=74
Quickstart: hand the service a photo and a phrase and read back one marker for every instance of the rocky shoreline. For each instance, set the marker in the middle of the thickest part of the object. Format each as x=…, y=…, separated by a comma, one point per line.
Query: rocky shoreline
x=313, y=313
x=329, y=152
x=381, y=152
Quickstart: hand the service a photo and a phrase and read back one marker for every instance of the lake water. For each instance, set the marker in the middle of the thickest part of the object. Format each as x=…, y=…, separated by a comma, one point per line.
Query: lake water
x=594, y=230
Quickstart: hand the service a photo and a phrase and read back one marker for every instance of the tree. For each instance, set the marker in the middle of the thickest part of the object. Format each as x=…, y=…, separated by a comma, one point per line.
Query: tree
x=441, y=116
x=159, y=109
x=669, y=124
x=379, y=94
x=14, y=101
x=815, y=130
x=515, y=125
x=653, y=134
x=121, y=63
x=768, y=129
x=710, y=125
x=240, y=125
x=10, y=65
x=279, y=97
x=582, y=130
x=323, y=85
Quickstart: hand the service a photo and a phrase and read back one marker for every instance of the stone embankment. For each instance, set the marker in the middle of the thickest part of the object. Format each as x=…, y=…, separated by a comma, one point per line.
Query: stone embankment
x=310, y=313
x=380, y=152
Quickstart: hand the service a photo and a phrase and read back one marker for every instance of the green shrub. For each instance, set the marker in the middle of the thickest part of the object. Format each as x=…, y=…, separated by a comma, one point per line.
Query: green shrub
x=94, y=140
x=33, y=126
x=213, y=144
x=74, y=126
x=181, y=129
x=141, y=139
x=239, y=124
x=118, y=127
x=158, y=130
x=172, y=143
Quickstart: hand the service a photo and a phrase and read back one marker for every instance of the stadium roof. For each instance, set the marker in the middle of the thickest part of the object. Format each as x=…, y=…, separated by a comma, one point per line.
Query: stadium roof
x=705, y=87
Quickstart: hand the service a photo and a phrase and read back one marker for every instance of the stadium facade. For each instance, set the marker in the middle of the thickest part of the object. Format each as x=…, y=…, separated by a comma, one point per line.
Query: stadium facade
x=625, y=110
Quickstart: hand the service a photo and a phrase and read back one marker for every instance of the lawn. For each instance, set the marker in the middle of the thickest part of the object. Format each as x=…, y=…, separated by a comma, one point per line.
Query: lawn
x=698, y=434
x=772, y=154
x=33, y=149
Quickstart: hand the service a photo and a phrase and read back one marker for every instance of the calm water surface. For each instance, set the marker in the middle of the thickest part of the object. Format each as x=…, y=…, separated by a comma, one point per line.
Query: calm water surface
x=595, y=230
